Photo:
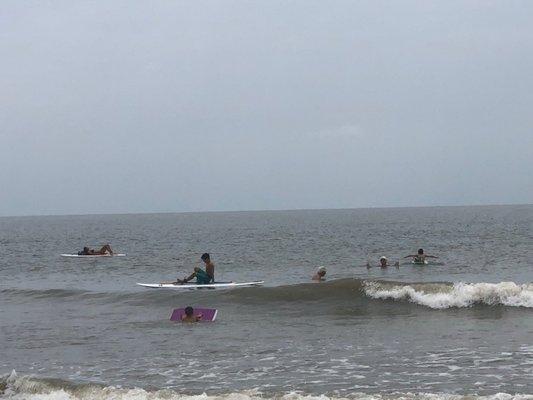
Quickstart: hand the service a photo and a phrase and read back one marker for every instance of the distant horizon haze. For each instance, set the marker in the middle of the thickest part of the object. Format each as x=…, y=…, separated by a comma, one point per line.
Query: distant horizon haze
x=271, y=210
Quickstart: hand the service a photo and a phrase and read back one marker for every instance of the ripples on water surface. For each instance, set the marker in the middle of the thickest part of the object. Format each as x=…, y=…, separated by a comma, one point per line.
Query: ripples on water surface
x=463, y=326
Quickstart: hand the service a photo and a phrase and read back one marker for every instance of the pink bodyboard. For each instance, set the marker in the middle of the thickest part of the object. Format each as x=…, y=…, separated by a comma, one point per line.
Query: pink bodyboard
x=208, y=314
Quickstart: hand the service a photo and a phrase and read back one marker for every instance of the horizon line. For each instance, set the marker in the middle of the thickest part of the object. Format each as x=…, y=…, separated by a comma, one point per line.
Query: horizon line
x=261, y=210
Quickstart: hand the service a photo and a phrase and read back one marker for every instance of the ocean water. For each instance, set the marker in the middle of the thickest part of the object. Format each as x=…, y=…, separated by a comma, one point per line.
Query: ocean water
x=460, y=328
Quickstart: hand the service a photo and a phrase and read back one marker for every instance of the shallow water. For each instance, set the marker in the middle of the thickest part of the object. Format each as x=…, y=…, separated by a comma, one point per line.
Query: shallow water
x=461, y=326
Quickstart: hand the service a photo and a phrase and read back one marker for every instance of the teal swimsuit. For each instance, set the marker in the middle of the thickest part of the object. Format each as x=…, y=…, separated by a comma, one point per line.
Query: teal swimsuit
x=202, y=278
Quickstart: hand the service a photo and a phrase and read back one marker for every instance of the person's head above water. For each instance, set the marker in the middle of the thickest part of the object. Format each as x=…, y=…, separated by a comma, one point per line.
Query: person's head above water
x=205, y=257
x=383, y=261
x=189, y=311
x=321, y=271
x=86, y=249
x=420, y=251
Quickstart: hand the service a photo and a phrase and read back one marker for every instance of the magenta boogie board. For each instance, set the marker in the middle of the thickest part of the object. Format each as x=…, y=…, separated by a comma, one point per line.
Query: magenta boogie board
x=208, y=314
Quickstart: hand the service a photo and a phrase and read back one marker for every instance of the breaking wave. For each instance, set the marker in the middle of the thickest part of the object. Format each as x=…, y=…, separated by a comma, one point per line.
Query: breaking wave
x=443, y=295
x=433, y=295
x=14, y=387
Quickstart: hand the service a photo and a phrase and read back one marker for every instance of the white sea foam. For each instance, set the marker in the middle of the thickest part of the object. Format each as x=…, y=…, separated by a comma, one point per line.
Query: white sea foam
x=436, y=295
x=27, y=388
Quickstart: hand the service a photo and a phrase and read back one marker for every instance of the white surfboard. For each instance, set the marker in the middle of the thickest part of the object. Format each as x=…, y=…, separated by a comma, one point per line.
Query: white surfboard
x=425, y=262
x=92, y=255
x=189, y=286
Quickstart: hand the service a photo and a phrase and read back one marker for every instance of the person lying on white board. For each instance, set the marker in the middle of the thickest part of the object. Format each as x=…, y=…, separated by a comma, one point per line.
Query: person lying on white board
x=384, y=263
x=90, y=252
x=320, y=274
x=202, y=277
x=420, y=258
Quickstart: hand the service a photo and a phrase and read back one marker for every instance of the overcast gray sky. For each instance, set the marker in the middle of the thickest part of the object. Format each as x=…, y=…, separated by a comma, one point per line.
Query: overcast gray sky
x=137, y=106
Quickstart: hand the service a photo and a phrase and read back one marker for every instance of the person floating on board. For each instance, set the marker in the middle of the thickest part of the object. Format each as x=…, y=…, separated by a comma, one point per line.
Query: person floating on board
x=90, y=252
x=189, y=315
x=384, y=263
x=420, y=258
x=202, y=277
x=320, y=274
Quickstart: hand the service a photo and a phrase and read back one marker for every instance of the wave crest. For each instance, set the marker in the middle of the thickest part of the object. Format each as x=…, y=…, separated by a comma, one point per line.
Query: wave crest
x=433, y=295
x=29, y=388
x=460, y=295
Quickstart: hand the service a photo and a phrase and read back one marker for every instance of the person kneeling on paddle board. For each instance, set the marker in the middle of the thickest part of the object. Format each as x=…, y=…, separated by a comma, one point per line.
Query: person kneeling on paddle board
x=189, y=315
x=90, y=252
x=202, y=277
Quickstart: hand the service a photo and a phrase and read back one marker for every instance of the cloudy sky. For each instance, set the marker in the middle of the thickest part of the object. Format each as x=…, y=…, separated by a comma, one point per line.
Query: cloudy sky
x=137, y=106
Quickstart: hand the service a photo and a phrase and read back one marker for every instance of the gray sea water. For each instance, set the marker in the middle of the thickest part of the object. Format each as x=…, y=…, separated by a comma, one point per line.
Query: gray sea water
x=79, y=328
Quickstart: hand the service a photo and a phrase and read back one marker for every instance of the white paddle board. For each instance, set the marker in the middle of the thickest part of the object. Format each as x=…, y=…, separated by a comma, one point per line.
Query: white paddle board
x=189, y=286
x=420, y=263
x=93, y=255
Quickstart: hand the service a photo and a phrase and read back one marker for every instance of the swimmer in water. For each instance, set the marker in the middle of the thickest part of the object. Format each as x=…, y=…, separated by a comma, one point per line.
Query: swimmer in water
x=320, y=274
x=189, y=315
x=384, y=263
x=420, y=258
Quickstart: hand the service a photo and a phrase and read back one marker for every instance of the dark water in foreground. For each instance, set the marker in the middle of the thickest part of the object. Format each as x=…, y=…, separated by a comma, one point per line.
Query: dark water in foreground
x=74, y=328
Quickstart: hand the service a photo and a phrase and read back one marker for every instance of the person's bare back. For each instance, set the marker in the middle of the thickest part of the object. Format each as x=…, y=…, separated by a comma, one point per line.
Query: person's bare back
x=209, y=266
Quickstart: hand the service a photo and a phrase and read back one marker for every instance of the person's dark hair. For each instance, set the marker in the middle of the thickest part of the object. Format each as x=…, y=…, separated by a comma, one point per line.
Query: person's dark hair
x=420, y=251
x=205, y=256
x=189, y=311
x=86, y=249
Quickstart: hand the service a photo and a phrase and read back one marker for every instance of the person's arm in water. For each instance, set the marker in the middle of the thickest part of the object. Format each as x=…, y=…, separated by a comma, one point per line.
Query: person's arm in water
x=411, y=256
x=428, y=256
